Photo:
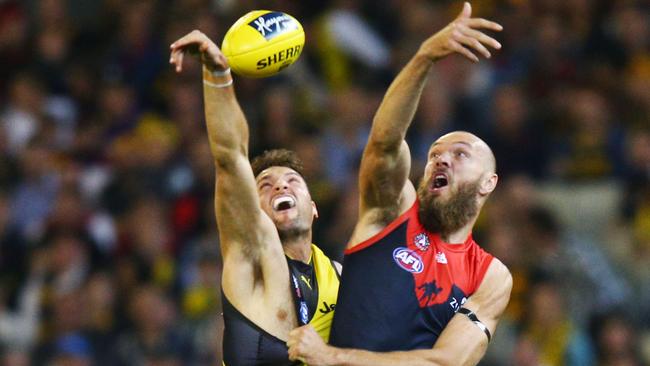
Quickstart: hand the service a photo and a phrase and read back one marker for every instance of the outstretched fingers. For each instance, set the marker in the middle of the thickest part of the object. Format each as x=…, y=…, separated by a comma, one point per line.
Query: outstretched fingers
x=481, y=37
x=475, y=40
x=473, y=43
x=484, y=24
x=466, y=37
x=456, y=46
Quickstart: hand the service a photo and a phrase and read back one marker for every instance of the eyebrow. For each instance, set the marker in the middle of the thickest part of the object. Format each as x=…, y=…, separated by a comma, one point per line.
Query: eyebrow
x=467, y=144
x=263, y=177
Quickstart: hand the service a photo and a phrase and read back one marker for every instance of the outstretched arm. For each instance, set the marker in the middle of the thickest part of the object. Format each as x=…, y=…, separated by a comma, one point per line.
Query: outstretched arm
x=242, y=223
x=383, y=181
x=461, y=342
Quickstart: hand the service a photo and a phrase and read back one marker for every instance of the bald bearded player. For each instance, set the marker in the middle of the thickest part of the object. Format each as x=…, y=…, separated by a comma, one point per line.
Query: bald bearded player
x=417, y=289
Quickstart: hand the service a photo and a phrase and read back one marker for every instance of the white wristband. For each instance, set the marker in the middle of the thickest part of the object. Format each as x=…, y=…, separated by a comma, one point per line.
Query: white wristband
x=218, y=73
x=214, y=85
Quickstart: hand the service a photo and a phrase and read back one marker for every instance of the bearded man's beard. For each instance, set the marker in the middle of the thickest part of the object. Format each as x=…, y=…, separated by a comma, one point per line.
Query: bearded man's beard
x=446, y=217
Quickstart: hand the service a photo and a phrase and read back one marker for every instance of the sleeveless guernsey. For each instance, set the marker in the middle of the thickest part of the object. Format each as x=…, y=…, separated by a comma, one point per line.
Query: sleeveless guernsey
x=246, y=344
x=402, y=286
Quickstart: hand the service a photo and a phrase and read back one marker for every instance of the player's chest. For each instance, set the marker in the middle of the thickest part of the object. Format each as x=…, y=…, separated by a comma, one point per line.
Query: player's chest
x=436, y=276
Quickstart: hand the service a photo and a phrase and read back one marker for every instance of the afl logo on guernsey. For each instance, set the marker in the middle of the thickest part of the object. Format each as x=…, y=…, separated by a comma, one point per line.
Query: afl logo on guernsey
x=408, y=260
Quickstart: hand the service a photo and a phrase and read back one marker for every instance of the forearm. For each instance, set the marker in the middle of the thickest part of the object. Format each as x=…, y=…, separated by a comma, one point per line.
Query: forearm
x=449, y=350
x=225, y=121
x=386, y=161
x=354, y=357
x=400, y=103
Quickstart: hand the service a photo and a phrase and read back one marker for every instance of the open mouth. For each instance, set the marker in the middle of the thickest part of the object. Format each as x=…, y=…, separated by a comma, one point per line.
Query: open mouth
x=440, y=180
x=283, y=203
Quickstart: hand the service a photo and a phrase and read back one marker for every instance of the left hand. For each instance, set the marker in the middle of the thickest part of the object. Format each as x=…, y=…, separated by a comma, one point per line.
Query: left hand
x=462, y=36
x=307, y=346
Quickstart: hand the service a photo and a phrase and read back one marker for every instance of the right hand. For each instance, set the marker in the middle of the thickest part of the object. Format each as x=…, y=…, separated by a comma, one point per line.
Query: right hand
x=307, y=346
x=460, y=36
x=197, y=43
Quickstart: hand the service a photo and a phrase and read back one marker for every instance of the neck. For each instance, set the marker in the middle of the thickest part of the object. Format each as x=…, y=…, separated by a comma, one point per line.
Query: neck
x=299, y=250
x=459, y=236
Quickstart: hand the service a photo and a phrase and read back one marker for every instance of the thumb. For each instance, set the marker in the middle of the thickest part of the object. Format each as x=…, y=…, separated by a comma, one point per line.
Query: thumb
x=466, y=12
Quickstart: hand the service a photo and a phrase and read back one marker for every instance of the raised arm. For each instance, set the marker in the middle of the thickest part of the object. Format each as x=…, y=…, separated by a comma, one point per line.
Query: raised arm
x=383, y=179
x=242, y=223
x=461, y=343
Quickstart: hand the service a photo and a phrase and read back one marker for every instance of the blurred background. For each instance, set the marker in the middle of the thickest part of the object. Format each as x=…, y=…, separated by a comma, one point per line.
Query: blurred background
x=109, y=252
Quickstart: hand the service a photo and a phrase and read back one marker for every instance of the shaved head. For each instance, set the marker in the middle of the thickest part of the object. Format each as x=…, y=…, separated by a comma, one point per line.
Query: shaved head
x=458, y=178
x=476, y=143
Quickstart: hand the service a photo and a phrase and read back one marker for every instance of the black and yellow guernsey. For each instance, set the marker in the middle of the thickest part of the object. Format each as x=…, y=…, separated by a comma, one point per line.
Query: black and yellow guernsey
x=315, y=289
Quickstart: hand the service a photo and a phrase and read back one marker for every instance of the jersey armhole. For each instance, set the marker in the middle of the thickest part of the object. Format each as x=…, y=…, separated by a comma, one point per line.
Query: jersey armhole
x=236, y=314
x=385, y=231
x=482, y=269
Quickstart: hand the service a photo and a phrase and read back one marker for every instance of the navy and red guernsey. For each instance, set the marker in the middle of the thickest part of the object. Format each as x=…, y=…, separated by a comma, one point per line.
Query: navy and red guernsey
x=401, y=287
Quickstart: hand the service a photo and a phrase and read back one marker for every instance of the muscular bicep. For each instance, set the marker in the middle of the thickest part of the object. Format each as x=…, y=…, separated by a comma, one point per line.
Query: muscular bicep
x=253, y=259
x=383, y=179
x=242, y=223
x=488, y=303
x=384, y=189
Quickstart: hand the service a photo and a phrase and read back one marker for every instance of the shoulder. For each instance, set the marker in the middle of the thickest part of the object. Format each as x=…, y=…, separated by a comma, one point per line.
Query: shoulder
x=496, y=284
x=375, y=223
x=499, y=271
x=491, y=298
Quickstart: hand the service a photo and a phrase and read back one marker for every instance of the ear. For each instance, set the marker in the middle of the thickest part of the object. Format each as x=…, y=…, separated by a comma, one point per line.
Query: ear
x=488, y=184
x=314, y=210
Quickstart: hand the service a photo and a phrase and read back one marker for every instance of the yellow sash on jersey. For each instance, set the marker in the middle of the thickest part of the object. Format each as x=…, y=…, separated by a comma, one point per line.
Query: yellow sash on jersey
x=328, y=290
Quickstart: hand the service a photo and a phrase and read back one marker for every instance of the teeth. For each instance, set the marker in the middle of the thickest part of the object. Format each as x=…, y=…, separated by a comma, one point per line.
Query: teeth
x=282, y=201
x=439, y=180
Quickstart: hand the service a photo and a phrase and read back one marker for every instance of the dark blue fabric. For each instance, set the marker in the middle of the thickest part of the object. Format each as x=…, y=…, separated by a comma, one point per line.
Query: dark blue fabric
x=246, y=344
x=378, y=309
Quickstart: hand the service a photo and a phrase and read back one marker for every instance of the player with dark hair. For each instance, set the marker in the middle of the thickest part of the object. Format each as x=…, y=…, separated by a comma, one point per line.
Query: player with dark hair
x=276, y=157
x=274, y=278
x=417, y=289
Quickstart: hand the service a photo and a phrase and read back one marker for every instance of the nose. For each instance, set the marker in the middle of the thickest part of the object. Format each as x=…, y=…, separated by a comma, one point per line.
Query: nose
x=281, y=185
x=442, y=160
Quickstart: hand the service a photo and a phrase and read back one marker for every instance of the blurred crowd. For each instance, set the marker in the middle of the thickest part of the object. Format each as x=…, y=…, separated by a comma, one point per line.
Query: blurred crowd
x=109, y=251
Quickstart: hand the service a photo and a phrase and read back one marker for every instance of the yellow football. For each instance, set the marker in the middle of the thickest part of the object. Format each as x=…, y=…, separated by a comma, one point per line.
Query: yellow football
x=262, y=43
